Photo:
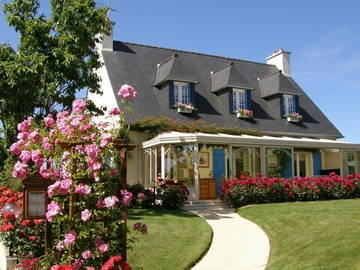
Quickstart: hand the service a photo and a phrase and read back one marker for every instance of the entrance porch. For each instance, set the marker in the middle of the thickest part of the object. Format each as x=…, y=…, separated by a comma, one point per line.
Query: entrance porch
x=203, y=161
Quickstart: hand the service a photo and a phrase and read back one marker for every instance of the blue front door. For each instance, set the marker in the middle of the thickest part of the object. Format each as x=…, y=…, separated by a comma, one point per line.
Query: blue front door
x=218, y=168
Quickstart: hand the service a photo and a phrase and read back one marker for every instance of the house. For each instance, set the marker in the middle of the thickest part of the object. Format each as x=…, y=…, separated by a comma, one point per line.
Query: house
x=294, y=138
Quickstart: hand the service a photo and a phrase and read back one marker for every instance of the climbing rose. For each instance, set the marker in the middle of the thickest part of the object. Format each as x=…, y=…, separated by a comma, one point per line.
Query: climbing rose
x=142, y=196
x=115, y=111
x=103, y=248
x=128, y=92
x=49, y=120
x=78, y=106
x=25, y=156
x=83, y=189
x=86, y=254
x=85, y=215
x=126, y=197
x=70, y=238
x=140, y=227
x=111, y=201
x=60, y=245
x=20, y=170
x=53, y=210
x=15, y=149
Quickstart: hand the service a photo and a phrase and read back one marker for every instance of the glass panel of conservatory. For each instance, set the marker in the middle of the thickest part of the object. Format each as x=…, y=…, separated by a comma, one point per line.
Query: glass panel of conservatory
x=279, y=162
x=351, y=162
x=246, y=161
x=179, y=164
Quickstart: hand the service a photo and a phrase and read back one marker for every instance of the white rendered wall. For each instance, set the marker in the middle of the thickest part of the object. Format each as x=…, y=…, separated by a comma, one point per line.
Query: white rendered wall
x=108, y=98
x=3, y=253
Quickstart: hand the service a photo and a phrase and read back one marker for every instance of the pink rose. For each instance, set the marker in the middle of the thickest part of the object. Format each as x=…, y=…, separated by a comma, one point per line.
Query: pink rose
x=15, y=149
x=85, y=215
x=49, y=120
x=126, y=197
x=60, y=246
x=128, y=92
x=25, y=125
x=34, y=136
x=25, y=156
x=35, y=155
x=53, y=209
x=86, y=254
x=115, y=111
x=83, y=189
x=105, y=140
x=69, y=238
x=20, y=170
x=111, y=202
x=103, y=248
x=78, y=106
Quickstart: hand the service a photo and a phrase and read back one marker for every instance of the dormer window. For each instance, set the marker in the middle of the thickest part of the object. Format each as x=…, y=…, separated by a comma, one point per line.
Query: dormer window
x=290, y=105
x=240, y=99
x=181, y=96
x=182, y=93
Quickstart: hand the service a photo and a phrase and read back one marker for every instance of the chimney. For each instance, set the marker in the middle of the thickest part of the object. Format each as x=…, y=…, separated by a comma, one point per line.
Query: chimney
x=107, y=43
x=281, y=59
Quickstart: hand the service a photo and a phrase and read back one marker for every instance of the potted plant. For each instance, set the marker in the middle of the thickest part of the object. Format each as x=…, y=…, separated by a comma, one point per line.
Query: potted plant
x=294, y=117
x=185, y=108
x=244, y=113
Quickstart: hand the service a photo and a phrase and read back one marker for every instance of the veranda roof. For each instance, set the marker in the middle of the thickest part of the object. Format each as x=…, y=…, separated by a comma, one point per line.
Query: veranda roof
x=179, y=137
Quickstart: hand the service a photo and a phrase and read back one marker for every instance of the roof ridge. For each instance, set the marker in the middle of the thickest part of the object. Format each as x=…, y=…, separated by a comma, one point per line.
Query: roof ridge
x=183, y=51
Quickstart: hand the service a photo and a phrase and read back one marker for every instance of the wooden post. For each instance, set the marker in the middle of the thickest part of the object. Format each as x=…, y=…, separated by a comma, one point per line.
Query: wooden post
x=48, y=236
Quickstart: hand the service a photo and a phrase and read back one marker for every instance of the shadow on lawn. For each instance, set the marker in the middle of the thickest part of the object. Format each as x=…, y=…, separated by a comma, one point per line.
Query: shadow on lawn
x=136, y=214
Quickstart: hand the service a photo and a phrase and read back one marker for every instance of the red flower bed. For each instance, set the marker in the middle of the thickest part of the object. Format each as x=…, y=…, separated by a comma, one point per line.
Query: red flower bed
x=247, y=190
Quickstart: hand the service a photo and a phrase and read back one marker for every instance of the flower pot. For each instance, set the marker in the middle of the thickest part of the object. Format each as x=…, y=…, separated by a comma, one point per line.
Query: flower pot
x=291, y=119
x=242, y=115
x=184, y=110
x=11, y=263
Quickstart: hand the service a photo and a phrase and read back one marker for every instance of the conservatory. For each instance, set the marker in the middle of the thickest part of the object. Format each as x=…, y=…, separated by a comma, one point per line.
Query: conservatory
x=203, y=161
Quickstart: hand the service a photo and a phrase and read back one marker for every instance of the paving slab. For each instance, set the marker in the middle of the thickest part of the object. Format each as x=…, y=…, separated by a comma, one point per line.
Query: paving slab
x=238, y=244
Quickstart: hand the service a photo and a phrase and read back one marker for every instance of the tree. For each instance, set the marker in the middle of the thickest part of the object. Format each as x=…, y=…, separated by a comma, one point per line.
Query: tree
x=55, y=59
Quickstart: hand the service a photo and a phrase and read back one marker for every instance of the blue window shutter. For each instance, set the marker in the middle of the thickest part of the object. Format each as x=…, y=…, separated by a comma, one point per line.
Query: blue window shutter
x=231, y=100
x=191, y=93
x=171, y=95
x=317, y=163
x=296, y=103
x=247, y=99
x=282, y=111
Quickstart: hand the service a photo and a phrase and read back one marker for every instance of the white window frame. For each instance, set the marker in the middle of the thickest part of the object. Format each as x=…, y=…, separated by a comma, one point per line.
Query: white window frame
x=288, y=104
x=239, y=99
x=182, y=93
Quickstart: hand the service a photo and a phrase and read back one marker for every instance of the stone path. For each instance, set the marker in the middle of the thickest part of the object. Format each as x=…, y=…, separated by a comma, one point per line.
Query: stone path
x=238, y=244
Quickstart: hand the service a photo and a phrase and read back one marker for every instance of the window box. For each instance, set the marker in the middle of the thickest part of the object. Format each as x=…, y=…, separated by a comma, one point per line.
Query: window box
x=243, y=113
x=185, y=108
x=294, y=117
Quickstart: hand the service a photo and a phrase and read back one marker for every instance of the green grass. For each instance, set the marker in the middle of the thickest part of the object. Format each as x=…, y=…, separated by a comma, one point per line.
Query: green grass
x=310, y=235
x=176, y=239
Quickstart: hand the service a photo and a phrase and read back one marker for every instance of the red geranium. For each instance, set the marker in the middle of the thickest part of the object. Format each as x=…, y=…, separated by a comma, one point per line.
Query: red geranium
x=32, y=238
x=38, y=221
x=116, y=262
x=7, y=227
x=26, y=222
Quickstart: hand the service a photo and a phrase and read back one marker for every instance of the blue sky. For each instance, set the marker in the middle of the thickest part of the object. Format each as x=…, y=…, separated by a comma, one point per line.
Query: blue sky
x=323, y=37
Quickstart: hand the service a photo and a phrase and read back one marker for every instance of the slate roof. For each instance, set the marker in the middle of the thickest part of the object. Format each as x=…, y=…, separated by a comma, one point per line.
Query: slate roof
x=137, y=65
x=277, y=83
x=175, y=69
x=228, y=76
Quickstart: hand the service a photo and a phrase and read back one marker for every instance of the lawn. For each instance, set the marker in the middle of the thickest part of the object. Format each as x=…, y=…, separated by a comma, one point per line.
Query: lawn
x=176, y=239
x=310, y=235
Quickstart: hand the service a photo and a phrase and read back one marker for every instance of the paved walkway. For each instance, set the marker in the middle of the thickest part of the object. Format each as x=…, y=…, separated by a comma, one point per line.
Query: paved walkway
x=238, y=244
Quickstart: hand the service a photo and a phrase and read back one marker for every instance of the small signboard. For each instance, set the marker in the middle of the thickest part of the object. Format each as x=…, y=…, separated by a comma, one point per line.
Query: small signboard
x=37, y=203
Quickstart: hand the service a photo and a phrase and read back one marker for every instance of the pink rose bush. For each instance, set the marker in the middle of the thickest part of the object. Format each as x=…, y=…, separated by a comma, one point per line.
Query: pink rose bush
x=87, y=209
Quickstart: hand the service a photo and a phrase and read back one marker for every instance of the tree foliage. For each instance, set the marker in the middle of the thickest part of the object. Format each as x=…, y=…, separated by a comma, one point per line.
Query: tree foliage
x=56, y=58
